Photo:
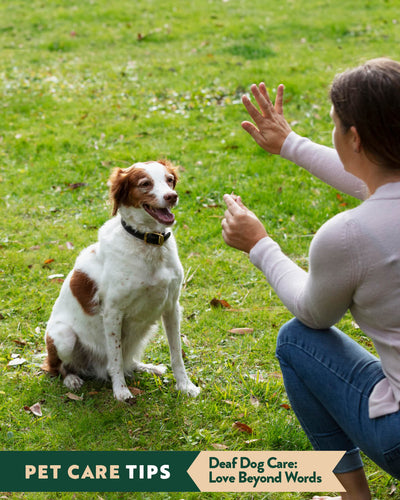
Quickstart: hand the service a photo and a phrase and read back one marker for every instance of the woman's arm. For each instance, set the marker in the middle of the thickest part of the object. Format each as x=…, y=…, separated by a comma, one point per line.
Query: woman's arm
x=324, y=163
x=272, y=132
x=320, y=296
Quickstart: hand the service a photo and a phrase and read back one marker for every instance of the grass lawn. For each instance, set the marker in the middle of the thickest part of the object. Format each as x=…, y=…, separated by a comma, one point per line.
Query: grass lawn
x=90, y=85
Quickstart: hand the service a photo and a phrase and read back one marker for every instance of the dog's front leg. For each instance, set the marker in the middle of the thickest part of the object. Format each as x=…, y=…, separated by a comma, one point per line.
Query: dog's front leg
x=115, y=364
x=171, y=320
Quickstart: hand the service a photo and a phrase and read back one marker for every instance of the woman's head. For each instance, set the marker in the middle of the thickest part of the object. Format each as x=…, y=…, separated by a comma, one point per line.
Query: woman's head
x=368, y=98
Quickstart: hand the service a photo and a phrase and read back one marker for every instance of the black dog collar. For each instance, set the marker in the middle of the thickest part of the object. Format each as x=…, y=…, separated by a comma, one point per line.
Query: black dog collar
x=152, y=238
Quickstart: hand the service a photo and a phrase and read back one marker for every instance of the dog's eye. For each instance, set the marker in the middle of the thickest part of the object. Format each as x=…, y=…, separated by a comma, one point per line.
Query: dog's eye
x=145, y=184
x=171, y=180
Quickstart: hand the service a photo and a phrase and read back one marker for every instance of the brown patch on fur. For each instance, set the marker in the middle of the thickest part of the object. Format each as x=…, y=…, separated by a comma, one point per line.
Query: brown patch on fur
x=84, y=290
x=126, y=186
x=122, y=182
x=52, y=363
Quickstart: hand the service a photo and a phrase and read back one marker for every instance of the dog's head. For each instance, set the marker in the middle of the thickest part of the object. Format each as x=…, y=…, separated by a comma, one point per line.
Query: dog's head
x=149, y=186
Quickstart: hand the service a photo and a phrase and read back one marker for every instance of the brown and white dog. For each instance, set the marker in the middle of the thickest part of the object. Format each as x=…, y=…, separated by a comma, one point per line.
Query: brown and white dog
x=121, y=286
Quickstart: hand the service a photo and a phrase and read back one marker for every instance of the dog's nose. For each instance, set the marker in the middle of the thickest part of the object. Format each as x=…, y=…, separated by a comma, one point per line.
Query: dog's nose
x=171, y=197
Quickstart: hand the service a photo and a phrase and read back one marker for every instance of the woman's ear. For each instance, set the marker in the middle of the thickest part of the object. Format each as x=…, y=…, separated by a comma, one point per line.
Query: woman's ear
x=355, y=139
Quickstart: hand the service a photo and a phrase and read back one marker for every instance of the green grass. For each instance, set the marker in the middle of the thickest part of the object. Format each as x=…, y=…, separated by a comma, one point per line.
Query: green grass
x=86, y=86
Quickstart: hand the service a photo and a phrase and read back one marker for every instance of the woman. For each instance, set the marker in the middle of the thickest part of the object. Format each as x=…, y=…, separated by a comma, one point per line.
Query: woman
x=344, y=397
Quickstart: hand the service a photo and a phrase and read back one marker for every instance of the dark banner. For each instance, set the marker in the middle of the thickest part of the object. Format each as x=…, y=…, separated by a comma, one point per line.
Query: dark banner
x=96, y=471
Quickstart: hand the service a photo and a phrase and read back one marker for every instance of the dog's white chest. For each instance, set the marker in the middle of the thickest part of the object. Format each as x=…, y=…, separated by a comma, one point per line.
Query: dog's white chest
x=149, y=292
x=157, y=286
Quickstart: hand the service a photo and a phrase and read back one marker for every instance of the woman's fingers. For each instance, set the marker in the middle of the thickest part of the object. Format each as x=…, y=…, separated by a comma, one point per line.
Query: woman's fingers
x=263, y=90
x=261, y=96
x=251, y=129
x=251, y=109
x=279, y=99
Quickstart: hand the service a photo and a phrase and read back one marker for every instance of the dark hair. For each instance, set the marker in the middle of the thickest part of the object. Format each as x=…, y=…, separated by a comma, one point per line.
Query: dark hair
x=368, y=98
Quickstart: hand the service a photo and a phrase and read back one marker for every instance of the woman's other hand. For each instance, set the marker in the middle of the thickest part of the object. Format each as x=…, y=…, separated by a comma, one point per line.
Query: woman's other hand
x=241, y=229
x=271, y=128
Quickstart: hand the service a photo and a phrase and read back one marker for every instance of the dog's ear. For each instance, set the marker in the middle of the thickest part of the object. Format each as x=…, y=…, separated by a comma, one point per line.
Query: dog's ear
x=119, y=188
x=172, y=169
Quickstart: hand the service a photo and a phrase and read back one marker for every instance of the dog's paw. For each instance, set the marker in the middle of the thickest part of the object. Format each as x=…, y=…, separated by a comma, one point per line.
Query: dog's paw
x=73, y=382
x=188, y=388
x=158, y=369
x=149, y=368
x=123, y=394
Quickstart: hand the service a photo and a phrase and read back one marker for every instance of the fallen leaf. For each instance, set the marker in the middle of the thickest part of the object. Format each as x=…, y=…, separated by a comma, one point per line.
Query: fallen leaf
x=286, y=406
x=241, y=331
x=55, y=276
x=77, y=185
x=217, y=446
x=234, y=310
x=74, y=397
x=254, y=401
x=249, y=441
x=240, y=426
x=220, y=303
x=19, y=342
x=69, y=245
x=36, y=410
x=340, y=199
x=135, y=391
x=16, y=361
x=47, y=262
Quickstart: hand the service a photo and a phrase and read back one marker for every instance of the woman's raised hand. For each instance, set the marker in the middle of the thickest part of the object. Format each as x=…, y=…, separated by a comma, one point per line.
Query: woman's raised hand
x=271, y=128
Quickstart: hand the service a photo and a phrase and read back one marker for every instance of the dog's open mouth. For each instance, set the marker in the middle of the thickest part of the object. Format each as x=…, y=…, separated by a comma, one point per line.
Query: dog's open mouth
x=162, y=215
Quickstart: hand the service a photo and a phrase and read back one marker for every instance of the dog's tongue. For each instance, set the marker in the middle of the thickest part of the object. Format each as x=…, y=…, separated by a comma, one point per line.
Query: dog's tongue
x=162, y=215
x=165, y=216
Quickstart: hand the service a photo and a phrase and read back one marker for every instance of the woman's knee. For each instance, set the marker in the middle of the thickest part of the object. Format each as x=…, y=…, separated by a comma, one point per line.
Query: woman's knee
x=288, y=332
x=292, y=336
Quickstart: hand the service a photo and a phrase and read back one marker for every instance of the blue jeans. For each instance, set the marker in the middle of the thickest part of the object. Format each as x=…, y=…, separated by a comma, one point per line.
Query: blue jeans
x=328, y=378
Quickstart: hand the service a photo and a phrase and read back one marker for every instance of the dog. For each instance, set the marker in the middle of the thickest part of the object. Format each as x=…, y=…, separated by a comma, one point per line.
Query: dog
x=121, y=286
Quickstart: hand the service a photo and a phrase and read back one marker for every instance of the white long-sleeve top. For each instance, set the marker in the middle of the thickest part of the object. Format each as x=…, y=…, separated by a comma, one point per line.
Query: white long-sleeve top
x=354, y=263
